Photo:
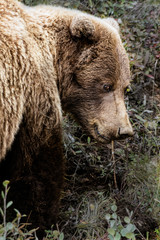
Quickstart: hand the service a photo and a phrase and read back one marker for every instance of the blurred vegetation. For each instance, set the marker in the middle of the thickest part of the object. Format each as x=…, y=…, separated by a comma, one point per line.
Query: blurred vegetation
x=15, y=230
x=91, y=190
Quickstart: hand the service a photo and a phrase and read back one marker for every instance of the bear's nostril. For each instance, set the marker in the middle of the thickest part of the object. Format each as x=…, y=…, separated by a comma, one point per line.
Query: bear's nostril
x=123, y=136
x=119, y=132
x=125, y=132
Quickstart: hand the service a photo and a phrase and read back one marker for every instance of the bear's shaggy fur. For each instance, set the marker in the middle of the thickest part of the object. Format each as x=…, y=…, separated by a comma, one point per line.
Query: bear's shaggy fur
x=51, y=56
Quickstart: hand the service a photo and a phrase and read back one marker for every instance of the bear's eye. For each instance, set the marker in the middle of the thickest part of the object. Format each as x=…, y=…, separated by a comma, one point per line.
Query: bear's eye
x=107, y=87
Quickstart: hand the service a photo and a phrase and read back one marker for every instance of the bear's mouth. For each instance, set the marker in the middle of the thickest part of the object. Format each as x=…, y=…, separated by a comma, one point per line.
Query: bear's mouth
x=106, y=139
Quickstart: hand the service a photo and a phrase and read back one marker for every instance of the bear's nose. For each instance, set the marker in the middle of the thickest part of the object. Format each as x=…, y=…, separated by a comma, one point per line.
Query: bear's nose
x=125, y=132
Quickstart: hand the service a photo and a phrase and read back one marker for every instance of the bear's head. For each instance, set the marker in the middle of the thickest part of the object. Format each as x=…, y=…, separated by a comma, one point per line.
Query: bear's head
x=95, y=95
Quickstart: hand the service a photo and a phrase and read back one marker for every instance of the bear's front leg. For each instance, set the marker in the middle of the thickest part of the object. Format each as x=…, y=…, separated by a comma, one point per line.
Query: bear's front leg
x=47, y=176
x=36, y=178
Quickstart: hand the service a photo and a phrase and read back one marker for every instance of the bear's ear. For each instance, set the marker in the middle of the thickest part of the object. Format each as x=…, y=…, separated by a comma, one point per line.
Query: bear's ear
x=112, y=22
x=81, y=26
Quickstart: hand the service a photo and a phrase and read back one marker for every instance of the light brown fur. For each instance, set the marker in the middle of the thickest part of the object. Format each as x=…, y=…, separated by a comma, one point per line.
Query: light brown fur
x=51, y=56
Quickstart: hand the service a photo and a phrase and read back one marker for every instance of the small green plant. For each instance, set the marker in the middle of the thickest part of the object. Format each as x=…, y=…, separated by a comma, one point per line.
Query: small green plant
x=115, y=228
x=13, y=230
x=157, y=231
x=54, y=234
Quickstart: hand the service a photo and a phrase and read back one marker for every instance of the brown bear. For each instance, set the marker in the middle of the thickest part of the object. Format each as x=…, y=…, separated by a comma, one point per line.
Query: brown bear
x=52, y=58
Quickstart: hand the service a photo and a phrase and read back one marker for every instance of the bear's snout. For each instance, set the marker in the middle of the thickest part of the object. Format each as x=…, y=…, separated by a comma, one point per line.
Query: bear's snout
x=125, y=132
x=116, y=132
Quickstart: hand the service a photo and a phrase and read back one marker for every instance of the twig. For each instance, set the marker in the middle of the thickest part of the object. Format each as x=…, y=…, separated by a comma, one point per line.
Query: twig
x=114, y=165
x=4, y=216
x=153, y=88
x=155, y=68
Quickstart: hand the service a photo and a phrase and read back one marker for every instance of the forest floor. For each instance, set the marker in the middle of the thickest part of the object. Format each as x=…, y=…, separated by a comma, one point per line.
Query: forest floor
x=123, y=179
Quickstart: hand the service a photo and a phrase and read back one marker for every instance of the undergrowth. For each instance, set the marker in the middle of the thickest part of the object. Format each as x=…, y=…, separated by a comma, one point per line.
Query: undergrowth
x=137, y=160
x=14, y=230
x=94, y=182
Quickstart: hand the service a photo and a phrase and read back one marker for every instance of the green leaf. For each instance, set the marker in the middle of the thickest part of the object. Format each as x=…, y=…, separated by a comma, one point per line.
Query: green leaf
x=61, y=237
x=131, y=228
x=7, y=190
x=124, y=231
x=78, y=152
x=107, y=216
x=111, y=237
x=17, y=211
x=9, y=226
x=112, y=223
x=117, y=237
x=114, y=216
x=5, y=183
x=32, y=231
x=67, y=4
x=130, y=236
x=55, y=233
x=1, y=230
x=120, y=227
x=111, y=231
x=88, y=140
x=140, y=118
x=114, y=208
x=90, y=3
x=2, y=194
x=9, y=204
x=2, y=238
x=127, y=220
x=1, y=211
